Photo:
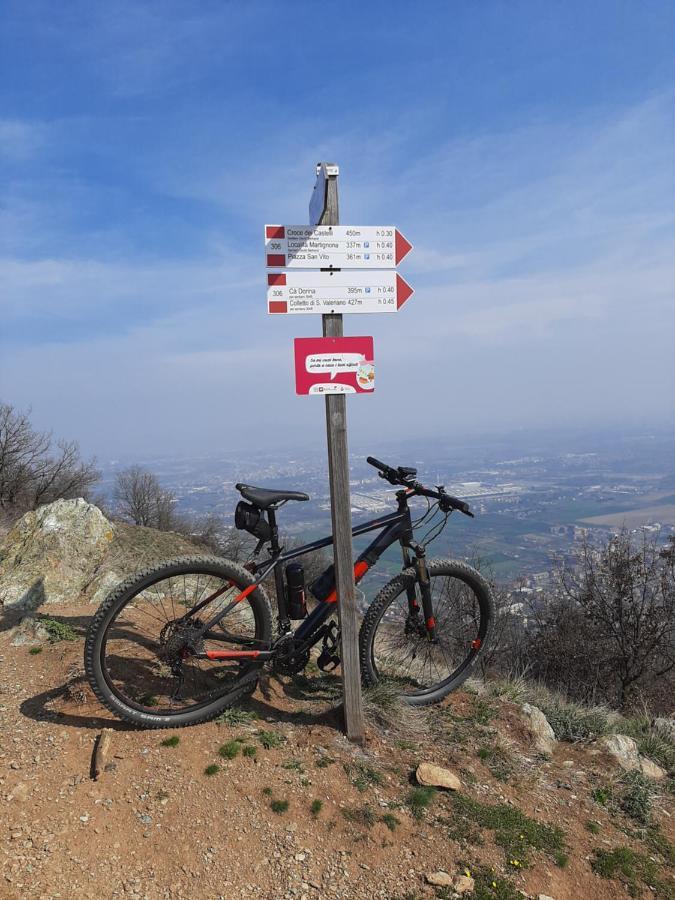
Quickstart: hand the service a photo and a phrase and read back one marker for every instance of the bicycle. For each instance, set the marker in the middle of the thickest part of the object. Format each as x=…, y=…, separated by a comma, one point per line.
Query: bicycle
x=176, y=644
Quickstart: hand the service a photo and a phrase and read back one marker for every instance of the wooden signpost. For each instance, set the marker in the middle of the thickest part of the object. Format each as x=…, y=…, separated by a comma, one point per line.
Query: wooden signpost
x=327, y=213
x=333, y=367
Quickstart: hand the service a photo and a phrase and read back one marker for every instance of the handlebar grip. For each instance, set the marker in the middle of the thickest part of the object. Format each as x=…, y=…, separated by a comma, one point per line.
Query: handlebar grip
x=376, y=462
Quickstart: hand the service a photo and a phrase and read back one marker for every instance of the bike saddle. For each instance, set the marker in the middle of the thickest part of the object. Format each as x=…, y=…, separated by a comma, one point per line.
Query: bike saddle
x=264, y=498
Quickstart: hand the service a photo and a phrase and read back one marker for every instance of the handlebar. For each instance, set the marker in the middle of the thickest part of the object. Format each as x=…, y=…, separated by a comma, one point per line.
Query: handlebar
x=405, y=476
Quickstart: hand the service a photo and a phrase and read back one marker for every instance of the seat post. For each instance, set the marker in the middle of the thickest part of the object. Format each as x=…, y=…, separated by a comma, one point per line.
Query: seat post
x=274, y=540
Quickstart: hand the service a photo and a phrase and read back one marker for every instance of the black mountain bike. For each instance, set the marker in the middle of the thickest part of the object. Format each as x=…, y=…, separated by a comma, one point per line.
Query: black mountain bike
x=176, y=644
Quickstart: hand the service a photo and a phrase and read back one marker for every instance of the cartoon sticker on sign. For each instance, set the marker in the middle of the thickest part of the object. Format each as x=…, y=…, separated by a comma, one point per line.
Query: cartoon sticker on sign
x=340, y=365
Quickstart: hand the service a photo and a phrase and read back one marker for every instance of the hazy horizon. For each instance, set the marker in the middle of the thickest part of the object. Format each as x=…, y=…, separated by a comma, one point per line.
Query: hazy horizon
x=527, y=153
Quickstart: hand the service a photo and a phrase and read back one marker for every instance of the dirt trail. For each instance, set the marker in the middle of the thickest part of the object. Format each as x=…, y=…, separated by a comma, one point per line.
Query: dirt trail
x=156, y=826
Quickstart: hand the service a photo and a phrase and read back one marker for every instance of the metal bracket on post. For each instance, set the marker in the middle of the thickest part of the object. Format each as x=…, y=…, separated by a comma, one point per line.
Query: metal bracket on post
x=324, y=210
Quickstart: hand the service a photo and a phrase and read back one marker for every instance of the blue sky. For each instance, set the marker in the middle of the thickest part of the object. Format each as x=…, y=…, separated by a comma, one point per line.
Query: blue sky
x=525, y=148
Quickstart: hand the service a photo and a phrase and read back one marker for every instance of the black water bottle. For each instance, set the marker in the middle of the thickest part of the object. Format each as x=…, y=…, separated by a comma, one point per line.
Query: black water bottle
x=295, y=591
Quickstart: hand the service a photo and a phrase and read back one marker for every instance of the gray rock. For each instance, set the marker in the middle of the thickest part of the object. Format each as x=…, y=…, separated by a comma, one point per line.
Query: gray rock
x=29, y=631
x=463, y=884
x=651, y=770
x=439, y=879
x=543, y=735
x=665, y=726
x=621, y=748
x=103, y=585
x=52, y=554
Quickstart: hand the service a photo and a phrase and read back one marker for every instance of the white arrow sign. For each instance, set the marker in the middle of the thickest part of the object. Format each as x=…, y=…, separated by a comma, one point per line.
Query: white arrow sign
x=334, y=246
x=336, y=292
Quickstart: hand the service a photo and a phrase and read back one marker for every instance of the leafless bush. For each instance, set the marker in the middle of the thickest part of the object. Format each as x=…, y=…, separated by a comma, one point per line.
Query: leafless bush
x=141, y=500
x=35, y=469
x=607, y=635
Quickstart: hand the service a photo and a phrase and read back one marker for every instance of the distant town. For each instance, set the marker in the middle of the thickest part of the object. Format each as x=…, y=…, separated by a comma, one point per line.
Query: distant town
x=535, y=498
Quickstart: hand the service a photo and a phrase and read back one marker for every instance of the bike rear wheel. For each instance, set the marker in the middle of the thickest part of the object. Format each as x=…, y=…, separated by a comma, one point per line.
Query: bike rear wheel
x=394, y=645
x=139, y=648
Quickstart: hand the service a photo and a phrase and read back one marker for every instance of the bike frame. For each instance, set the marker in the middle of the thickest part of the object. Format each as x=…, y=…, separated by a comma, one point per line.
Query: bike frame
x=396, y=526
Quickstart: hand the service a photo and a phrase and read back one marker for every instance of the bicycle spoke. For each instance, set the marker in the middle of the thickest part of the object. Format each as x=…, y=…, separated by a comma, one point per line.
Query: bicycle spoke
x=401, y=648
x=149, y=659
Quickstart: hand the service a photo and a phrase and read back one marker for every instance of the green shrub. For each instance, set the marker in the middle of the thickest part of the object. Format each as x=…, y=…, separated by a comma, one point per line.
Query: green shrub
x=391, y=821
x=279, y=806
x=636, y=797
x=419, y=799
x=234, y=716
x=213, y=769
x=573, y=722
x=270, y=739
x=249, y=750
x=35, y=650
x=515, y=832
x=230, y=750
x=360, y=815
x=58, y=631
x=362, y=776
x=172, y=741
x=316, y=807
x=631, y=868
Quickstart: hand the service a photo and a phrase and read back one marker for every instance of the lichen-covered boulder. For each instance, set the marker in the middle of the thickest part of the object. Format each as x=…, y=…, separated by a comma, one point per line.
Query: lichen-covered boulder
x=624, y=750
x=53, y=553
x=543, y=736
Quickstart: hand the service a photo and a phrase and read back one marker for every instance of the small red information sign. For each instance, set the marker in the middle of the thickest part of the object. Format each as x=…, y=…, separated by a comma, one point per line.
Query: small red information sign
x=334, y=365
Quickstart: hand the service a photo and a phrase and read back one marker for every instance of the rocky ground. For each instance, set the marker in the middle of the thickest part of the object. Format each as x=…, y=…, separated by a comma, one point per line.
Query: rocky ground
x=156, y=825
x=273, y=802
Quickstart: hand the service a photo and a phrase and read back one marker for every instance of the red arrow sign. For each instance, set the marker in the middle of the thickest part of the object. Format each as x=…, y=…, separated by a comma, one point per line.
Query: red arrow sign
x=403, y=290
x=403, y=246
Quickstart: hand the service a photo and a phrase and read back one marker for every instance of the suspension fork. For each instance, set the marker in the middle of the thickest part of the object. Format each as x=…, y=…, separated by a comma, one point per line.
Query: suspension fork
x=413, y=605
x=422, y=578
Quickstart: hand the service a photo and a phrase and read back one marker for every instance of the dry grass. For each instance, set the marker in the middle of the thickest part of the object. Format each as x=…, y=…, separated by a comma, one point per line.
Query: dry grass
x=385, y=710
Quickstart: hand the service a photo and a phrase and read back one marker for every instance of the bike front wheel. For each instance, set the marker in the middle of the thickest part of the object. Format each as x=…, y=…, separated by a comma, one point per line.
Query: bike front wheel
x=394, y=644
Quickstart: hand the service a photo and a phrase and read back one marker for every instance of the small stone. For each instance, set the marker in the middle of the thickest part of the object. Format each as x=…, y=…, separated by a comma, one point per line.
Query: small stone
x=436, y=776
x=544, y=897
x=300, y=857
x=463, y=884
x=440, y=879
x=568, y=764
x=20, y=792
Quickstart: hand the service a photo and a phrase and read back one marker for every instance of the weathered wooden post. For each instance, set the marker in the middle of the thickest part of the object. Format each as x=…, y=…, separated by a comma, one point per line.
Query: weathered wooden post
x=324, y=210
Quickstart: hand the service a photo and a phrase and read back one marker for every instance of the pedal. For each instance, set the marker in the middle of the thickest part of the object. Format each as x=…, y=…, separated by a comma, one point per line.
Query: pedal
x=327, y=661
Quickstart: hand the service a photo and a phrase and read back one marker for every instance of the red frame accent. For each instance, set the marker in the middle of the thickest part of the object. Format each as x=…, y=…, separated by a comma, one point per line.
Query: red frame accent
x=360, y=569
x=476, y=644
x=232, y=654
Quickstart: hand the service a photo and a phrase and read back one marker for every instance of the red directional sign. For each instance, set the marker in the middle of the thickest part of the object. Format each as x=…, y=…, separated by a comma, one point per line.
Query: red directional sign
x=334, y=365
x=336, y=292
x=334, y=246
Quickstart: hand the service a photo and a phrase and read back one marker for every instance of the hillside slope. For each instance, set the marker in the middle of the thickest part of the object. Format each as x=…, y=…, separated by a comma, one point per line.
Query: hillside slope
x=291, y=809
